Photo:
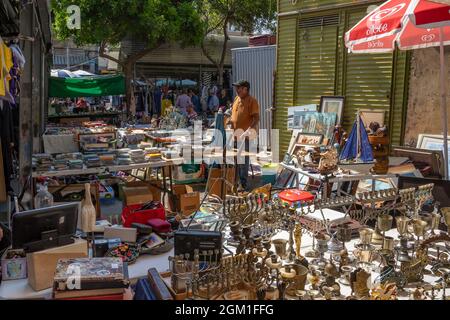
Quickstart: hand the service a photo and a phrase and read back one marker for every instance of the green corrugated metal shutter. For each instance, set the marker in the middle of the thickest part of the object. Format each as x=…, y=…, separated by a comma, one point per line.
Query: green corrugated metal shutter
x=285, y=76
x=399, y=102
x=316, y=60
x=368, y=79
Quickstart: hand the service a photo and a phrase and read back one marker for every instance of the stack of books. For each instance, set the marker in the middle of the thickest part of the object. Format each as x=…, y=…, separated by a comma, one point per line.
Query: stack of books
x=91, y=160
x=76, y=164
x=90, y=279
x=152, y=154
x=43, y=162
x=137, y=156
x=123, y=157
x=108, y=159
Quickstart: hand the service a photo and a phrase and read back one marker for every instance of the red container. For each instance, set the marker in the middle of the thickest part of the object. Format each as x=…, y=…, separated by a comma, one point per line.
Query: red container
x=295, y=196
x=133, y=214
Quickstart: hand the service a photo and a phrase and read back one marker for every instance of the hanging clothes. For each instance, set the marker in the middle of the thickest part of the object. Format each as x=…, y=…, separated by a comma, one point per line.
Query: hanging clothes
x=8, y=140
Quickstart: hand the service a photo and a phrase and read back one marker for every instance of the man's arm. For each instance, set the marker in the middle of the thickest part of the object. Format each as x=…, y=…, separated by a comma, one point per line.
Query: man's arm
x=255, y=121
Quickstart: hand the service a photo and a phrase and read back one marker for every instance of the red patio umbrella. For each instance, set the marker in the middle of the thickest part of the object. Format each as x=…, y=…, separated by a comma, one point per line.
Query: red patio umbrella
x=411, y=24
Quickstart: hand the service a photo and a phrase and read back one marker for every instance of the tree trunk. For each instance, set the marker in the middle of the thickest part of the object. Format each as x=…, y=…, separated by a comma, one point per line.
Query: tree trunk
x=128, y=72
x=220, y=70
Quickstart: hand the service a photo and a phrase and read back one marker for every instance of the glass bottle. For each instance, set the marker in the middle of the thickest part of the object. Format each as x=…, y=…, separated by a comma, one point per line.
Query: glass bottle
x=43, y=198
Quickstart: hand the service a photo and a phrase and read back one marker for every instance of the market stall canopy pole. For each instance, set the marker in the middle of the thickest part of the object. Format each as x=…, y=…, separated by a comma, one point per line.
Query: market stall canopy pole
x=412, y=24
x=97, y=86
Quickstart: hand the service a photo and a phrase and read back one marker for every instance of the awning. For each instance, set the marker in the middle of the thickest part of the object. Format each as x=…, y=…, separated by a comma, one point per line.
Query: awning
x=96, y=86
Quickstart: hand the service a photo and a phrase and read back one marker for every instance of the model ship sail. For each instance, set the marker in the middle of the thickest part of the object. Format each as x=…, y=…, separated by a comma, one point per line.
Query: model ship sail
x=357, y=148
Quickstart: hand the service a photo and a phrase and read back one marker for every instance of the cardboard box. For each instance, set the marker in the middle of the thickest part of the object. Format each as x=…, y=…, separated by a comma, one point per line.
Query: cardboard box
x=214, y=186
x=125, y=234
x=42, y=264
x=156, y=193
x=137, y=195
x=184, y=200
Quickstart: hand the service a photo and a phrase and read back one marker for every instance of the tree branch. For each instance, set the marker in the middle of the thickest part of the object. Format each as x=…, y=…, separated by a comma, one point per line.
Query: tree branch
x=225, y=42
x=207, y=55
x=102, y=54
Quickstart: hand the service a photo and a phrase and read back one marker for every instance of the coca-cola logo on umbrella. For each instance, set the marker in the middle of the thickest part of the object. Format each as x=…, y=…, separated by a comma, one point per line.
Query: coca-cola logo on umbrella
x=383, y=14
x=428, y=37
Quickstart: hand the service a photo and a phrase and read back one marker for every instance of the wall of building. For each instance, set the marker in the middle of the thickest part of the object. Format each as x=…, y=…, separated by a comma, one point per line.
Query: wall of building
x=312, y=61
x=424, y=105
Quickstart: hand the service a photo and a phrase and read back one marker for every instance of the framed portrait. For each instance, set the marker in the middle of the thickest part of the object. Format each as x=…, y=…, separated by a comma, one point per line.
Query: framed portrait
x=333, y=104
x=310, y=139
x=370, y=115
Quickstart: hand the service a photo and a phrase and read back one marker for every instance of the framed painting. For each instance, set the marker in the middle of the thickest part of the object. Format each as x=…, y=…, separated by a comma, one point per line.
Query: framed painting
x=333, y=104
x=310, y=139
x=370, y=115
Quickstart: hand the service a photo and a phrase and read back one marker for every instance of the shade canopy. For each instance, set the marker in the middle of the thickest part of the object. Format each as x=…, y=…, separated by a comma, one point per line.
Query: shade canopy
x=97, y=86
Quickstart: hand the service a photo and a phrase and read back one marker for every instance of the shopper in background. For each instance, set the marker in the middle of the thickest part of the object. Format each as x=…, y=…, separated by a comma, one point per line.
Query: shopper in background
x=213, y=101
x=183, y=102
x=195, y=101
x=244, y=120
x=224, y=100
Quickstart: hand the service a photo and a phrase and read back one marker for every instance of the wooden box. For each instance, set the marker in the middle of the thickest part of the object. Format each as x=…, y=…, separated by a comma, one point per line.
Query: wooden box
x=42, y=264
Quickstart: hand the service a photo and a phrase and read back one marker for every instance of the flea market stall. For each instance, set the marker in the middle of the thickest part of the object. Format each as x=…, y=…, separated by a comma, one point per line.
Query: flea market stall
x=158, y=210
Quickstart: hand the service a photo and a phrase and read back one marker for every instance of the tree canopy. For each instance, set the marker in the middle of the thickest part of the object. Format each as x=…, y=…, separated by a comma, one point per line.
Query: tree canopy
x=108, y=22
x=249, y=16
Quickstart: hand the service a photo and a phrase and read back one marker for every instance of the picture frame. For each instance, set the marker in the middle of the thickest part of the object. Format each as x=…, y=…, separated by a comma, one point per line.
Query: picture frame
x=310, y=139
x=284, y=178
x=333, y=104
x=293, y=120
x=317, y=122
x=372, y=115
x=433, y=142
x=433, y=158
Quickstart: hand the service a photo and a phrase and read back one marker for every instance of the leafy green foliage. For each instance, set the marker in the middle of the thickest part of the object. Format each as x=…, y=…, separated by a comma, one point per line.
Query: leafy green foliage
x=110, y=21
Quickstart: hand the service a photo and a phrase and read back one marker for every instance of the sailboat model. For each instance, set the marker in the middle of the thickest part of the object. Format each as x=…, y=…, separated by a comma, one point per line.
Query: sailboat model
x=357, y=153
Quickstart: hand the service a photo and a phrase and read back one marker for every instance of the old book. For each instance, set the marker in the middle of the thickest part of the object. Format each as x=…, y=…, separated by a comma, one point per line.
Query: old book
x=104, y=297
x=158, y=286
x=89, y=274
x=70, y=294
